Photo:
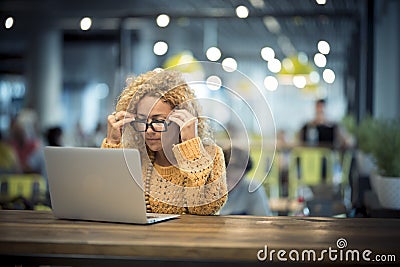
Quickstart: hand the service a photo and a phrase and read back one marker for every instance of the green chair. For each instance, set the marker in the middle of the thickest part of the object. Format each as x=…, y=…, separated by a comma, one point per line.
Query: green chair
x=29, y=188
x=8, y=159
x=272, y=183
x=310, y=166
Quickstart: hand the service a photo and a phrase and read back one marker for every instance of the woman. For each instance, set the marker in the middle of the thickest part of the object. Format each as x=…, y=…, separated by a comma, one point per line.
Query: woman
x=184, y=171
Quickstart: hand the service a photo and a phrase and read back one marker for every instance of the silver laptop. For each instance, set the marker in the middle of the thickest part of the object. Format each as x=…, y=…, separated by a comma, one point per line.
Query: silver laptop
x=98, y=184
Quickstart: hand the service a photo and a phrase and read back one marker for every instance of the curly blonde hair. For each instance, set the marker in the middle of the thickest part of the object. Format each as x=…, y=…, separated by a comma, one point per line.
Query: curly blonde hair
x=170, y=87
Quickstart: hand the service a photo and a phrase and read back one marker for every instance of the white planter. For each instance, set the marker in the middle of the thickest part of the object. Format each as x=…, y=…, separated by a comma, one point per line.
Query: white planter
x=374, y=182
x=388, y=191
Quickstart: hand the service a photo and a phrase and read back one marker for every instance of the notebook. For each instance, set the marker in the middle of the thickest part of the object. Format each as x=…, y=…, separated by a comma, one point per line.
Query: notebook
x=98, y=185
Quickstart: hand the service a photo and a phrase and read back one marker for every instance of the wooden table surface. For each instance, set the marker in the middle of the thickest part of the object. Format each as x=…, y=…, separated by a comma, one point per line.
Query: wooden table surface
x=29, y=235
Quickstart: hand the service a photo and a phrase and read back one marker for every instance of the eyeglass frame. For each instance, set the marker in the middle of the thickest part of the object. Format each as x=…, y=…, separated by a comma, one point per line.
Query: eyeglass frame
x=150, y=124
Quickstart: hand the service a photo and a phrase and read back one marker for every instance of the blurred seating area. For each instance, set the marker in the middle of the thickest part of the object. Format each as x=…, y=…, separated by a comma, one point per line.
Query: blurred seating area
x=315, y=178
x=23, y=175
x=326, y=183
x=24, y=192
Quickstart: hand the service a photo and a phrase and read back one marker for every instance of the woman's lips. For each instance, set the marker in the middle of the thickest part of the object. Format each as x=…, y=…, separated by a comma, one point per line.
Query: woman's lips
x=152, y=139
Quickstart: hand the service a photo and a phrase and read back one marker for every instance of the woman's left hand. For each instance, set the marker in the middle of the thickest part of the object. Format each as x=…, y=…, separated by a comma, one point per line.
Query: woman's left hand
x=187, y=123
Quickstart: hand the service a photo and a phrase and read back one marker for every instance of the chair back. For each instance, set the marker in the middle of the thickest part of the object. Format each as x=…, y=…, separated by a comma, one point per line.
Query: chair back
x=272, y=184
x=29, y=187
x=310, y=166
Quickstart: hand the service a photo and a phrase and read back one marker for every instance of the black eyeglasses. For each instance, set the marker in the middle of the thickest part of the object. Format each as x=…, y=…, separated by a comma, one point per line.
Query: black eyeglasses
x=156, y=125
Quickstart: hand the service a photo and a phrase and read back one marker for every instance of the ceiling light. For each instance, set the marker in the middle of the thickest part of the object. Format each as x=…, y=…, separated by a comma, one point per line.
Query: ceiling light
x=9, y=22
x=229, y=64
x=286, y=45
x=214, y=82
x=213, y=53
x=86, y=23
x=314, y=77
x=160, y=48
x=257, y=3
x=321, y=2
x=320, y=60
x=299, y=81
x=267, y=53
x=102, y=90
x=162, y=20
x=274, y=65
x=302, y=58
x=288, y=65
x=272, y=24
x=324, y=47
x=242, y=12
x=328, y=75
x=271, y=83
x=186, y=58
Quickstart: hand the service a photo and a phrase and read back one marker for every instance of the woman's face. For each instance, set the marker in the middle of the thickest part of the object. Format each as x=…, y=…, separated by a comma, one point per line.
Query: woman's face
x=150, y=109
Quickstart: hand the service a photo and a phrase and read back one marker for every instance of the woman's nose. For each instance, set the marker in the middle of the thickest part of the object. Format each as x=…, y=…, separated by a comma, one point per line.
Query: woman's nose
x=149, y=129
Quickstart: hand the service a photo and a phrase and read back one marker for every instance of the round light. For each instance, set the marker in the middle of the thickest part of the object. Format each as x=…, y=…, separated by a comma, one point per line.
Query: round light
x=328, y=75
x=102, y=90
x=160, y=48
x=242, y=12
x=314, y=77
x=214, y=82
x=229, y=64
x=288, y=65
x=9, y=22
x=271, y=83
x=86, y=23
x=324, y=47
x=213, y=53
x=274, y=65
x=320, y=60
x=162, y=20
x=267, y=53
x=302, y=58
x=299, y=81
x=321, y=2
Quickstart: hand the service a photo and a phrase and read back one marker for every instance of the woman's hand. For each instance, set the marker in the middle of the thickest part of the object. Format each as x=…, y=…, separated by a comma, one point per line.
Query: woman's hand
x=187, y=123
x=114, y=126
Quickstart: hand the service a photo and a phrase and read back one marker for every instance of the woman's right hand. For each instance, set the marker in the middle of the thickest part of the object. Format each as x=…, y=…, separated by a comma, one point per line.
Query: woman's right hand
x=116, y=121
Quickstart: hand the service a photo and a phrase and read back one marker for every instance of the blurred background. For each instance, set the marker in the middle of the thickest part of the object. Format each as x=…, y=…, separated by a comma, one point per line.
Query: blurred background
x=63, y=63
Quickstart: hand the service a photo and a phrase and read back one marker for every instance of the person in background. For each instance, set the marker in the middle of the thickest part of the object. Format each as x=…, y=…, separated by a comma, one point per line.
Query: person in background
x=9, y=162
x=183, y=170
x=321, y=132
x=54, y=136
x=28, y=146
x=241, y=201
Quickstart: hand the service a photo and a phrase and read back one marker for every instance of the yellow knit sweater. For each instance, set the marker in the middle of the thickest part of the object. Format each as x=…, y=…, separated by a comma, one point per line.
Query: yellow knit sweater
x=196, y=186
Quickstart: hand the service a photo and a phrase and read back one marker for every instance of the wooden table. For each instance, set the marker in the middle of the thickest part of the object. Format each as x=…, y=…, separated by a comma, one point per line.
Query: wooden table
x=37, y=237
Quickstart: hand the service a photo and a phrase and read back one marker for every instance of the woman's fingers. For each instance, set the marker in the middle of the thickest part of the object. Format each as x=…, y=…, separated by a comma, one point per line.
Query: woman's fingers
x=187, y=123
x=123, y=115
x=116, y=121
x=181, y=117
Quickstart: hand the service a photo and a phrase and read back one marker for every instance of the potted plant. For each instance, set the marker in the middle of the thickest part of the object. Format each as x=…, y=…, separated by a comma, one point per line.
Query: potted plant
x=365, y=133
x=380, y=138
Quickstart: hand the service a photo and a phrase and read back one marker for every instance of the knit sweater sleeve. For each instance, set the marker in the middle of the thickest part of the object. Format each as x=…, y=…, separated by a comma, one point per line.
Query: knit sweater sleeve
x=205, y=177
x=104, y=144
